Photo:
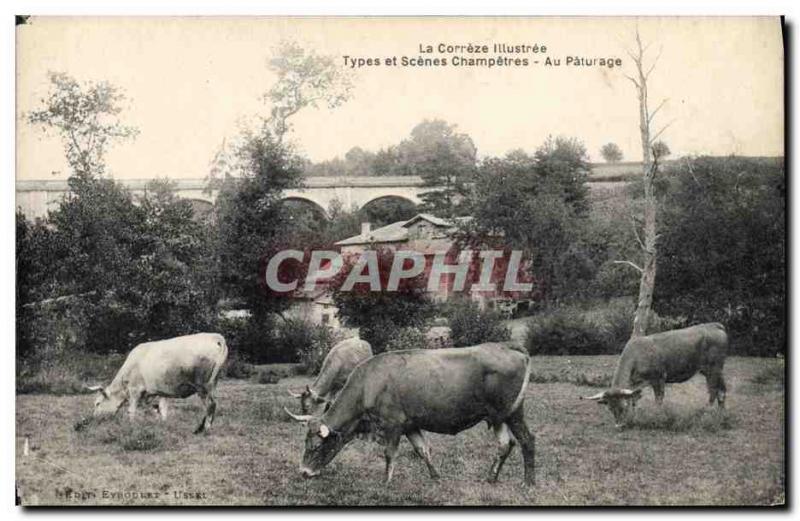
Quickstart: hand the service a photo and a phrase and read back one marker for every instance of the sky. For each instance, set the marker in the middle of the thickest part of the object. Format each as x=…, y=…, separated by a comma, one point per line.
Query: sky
x=192, y=82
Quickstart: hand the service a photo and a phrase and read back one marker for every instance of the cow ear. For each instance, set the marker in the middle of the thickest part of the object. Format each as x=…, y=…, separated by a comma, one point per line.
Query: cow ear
x=324, y=431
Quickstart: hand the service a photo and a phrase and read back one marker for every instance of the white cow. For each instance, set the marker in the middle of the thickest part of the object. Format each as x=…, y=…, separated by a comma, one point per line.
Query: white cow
x=174, y=368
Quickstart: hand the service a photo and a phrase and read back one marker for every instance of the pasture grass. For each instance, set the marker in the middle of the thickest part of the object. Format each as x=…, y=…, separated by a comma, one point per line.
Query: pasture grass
x=682, y=454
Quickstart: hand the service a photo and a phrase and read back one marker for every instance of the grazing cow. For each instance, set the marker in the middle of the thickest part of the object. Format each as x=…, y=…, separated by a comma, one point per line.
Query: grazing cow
x=663, y=358
x=444, y=391
x=174, y=368
x=337, y=366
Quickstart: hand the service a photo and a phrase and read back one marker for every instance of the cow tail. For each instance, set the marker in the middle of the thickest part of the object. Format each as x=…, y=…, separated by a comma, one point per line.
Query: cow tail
x=224, y=356
x=525, y=381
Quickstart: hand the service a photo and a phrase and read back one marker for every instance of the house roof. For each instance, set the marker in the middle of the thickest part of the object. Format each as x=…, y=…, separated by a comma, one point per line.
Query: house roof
x=390, y=233
x=398, y=231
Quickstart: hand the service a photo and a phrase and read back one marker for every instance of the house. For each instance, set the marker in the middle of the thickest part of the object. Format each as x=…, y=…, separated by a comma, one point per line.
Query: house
x=423, y=233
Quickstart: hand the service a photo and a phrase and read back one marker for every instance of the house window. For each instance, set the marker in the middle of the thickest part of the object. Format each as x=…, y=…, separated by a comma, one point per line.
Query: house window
x=326, y=318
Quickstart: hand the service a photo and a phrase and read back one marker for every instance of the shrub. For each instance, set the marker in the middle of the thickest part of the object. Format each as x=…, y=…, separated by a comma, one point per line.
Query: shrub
x=406, y=338
x=311, y=355
x=469, y=325
x=273, y=373
x=236, y=367
x=566, y=331
x=66, y=372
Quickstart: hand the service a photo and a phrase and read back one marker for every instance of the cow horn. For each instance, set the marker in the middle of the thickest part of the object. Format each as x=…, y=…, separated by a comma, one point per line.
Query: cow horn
x=298, y=417
x=97, y=388
x=598, y=396
x=628, y=392
x=294, y=394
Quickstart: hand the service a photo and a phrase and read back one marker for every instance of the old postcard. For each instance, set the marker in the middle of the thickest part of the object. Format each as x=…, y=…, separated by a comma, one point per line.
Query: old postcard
x=375, y=261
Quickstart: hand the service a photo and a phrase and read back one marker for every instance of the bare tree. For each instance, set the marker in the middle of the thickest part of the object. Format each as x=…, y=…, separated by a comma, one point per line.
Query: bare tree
x=647, y=239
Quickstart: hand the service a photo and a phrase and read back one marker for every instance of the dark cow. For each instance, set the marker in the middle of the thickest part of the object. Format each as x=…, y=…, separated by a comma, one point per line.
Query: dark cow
x=444, y=391
x=337, y=366
x=664, y=358
x=174, y=368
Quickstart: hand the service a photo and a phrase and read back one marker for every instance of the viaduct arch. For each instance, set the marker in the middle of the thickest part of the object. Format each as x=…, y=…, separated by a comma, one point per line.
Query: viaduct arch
x=36, y=197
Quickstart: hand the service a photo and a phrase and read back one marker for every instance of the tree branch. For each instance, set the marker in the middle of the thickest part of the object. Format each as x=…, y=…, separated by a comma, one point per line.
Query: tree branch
x=665, y=127
x=629, y=263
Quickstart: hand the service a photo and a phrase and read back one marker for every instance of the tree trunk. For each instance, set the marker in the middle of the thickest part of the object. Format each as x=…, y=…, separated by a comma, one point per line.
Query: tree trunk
x=649, y=167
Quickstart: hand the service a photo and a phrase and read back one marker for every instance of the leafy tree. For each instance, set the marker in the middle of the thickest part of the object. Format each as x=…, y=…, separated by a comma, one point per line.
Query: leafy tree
x=446, y=161
x=564, y=160
x=378, y=314
x=252, y=222
x=723, y=248
x=86, y=118
x=535, y=204
x=611, y=153
x=305, y=79
x=660, y=150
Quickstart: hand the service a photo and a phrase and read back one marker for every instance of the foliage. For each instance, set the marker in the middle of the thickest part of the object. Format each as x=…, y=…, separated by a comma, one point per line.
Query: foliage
x=611, y=153
x=537, y=204
x=471, y=326
x=406, y=338
x=723, y=248
x=252, y=223
x=378, y=313
x=86, y=118
x=660, y=150
x=446, y=161
x=566, y=331
x=312, y=355
x=304, y=79
x=570, y=330
x=130, y=273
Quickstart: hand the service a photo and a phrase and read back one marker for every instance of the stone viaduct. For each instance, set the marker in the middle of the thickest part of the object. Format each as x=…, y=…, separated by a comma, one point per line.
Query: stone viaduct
x=35, y=197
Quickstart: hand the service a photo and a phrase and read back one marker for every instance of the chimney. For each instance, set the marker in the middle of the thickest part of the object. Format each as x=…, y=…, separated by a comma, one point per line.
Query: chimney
x=365, y=228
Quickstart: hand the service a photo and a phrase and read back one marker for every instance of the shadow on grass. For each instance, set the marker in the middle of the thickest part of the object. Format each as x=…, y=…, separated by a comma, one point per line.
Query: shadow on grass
x=571, y=377
x=672, y=419
x=143, y=435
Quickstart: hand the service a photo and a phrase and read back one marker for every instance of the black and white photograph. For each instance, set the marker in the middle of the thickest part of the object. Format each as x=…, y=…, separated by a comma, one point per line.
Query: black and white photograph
x=374, y=261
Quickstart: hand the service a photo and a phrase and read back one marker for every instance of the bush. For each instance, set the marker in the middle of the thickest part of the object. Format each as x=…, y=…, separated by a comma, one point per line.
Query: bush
x=570, y=331
x=469, y=325
x=566, y=331
x=406, y=338
x=236, y=367
x=311, y=355
x=66, y=372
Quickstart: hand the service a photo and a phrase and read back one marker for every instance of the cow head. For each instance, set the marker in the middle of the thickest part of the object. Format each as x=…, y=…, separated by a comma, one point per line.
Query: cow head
x=321, y=445
x=619, y=402
x=310, y=402
x=105, y=402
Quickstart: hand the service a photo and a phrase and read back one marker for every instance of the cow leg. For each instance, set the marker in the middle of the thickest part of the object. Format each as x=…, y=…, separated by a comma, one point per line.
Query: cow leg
x=526, y=440
x=133, y=401
x=208, y=418
x=658, y=390
x=390, y=453
x=507, y=444
x=716, y=389
x=162, y=408
x=418, y=442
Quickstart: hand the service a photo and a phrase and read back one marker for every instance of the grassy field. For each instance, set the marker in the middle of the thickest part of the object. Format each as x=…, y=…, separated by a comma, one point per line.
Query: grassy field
x=681, y=454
